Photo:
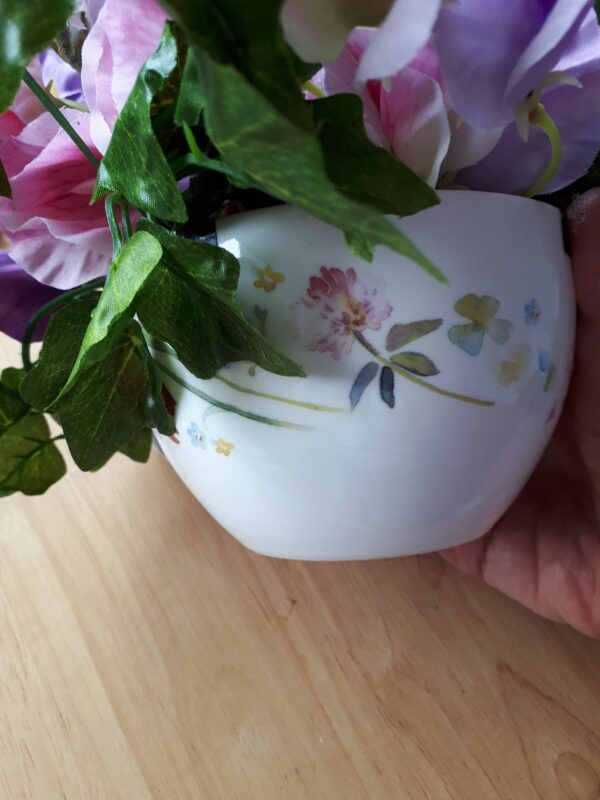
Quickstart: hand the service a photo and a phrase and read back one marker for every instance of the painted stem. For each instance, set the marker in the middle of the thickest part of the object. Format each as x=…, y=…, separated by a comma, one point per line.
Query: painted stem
x=162, y=347
x=227, y=406
x=414, y=379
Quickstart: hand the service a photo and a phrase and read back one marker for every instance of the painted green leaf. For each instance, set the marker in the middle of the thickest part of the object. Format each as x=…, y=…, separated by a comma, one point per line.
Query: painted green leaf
x=401, y=335
x=386, y=387
x=511, y=370
x=500, y=330
x=5, y=190
x=30, y=462
x=365, y=377
x=468, y=337
x=287, y=162
x=111, y=401
x=189, y=302
x=479, y=309
x=26, y=27
x=62, y=343
x=416, y=363
x=135, y=165
x=139, y=447
x=190, y=101
x=117, y=304
x=383, y=182
x=549, y=382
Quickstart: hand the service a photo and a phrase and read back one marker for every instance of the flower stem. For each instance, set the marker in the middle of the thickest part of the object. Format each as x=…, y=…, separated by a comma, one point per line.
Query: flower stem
x=414, y=379
x=277, y=423
x=64, y=123
x=68, y=297
x=309, y=86
x=541, y=119
x=162, y=347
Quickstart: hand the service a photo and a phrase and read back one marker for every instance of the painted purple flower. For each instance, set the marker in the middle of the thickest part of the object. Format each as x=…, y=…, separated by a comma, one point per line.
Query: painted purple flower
x=20, y=297
x=197, y=436
x=504, y=61
x=532, y=312
x=338, y=308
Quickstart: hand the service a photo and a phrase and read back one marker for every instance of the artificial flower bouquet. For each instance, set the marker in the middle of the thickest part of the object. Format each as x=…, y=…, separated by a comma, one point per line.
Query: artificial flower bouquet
x=129, y=127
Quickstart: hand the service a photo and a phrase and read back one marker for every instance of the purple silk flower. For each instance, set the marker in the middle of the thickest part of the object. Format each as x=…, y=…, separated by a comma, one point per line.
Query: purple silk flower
x=501, y=58
x=20, y=297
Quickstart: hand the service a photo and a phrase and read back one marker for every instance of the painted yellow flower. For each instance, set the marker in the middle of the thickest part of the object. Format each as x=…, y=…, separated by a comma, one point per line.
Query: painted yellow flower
x=510, y=371
x=223, y=447
x=268, y=279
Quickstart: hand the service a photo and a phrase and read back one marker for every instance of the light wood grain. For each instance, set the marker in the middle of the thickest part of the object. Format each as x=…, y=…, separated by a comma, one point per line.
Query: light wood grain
x=145, y=655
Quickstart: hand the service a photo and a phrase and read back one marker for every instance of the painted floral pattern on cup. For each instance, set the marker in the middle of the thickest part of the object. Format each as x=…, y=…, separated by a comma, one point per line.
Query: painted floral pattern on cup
x=481, y=311
x=337, y=308
x=268, y=279
x=532, y=312
x=223, y=447
x=337, y=312
x=511, y=369
x=197, y=436
x=547, y=366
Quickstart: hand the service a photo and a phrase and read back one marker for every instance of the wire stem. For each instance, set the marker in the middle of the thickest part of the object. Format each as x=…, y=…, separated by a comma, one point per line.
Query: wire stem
x=64, y=123
x=68, y=297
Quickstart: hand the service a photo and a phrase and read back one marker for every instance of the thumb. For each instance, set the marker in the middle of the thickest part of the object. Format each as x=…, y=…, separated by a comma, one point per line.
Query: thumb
x=583, y=219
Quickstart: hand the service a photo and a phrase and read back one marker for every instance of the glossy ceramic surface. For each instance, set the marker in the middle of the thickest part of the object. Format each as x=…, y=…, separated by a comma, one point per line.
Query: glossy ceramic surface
x=426, y=406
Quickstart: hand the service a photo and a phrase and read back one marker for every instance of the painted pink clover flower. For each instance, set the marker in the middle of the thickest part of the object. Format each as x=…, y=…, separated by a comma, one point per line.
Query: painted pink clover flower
x=337, y=308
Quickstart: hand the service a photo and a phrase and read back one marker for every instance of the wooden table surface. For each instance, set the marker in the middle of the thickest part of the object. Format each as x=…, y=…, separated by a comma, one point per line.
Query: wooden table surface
x=145, y=654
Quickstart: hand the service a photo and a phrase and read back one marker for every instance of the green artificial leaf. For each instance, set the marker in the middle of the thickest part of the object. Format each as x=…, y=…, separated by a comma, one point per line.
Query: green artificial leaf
x=5, y=190
x=139, y=447
x=111, y=401
x=116, y=308
x=30, y=462
x=189, y=302
x=382, y=181
x=190, y=101
x=249, y=37
x=287, y=162
x=361, y=247
x=416, y=363
x=26, y=28
x=401, y=335
x=135, y=165
x=62, y=343
x=197, y=157
x=597, y=7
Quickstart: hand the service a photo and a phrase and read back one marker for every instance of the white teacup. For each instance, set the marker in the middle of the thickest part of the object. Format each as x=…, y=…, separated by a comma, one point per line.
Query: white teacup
x=426, y=406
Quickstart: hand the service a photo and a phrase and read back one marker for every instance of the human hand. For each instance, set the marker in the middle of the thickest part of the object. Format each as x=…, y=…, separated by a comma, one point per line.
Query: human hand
x=545, y=551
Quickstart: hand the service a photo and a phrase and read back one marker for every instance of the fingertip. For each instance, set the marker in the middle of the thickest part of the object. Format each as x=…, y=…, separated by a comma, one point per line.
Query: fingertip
x=583, y=218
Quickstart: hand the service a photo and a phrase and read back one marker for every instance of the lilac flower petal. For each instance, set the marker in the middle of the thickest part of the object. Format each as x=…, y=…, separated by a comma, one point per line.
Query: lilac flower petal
x=494, y=53
x=20, y=297
x=546, y=49
x=403, y=33
x=67, y=82
x=513, y=166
